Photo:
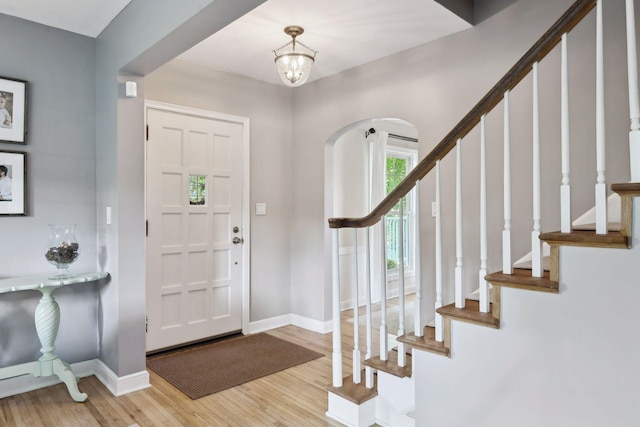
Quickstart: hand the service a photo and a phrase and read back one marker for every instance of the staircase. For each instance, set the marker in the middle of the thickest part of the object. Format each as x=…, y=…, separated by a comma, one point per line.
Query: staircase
x=456, y=374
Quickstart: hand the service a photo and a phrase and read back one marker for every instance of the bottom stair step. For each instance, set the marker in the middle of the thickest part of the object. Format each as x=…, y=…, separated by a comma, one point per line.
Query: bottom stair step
x=356, y=393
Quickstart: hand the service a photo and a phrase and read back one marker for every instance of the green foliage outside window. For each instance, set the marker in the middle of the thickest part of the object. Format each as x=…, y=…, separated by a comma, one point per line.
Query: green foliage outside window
x=197, y=189
x=396, y=171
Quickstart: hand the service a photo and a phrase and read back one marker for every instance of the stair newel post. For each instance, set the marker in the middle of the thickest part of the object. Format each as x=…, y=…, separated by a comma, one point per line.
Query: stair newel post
x=438, y=266
x=368, y=371
x=402, y=355
x=337, y=330
x=418, y=328
x=483, y=284
x=507, y=267
x=536, y=244
x=601, y=186
x=384, y=340
x=565, y=188
x=459, y=296
x=357, y=376
x=634, y=101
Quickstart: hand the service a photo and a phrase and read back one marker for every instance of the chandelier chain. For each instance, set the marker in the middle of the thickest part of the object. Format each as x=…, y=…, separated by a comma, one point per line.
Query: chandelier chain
x=275, y=51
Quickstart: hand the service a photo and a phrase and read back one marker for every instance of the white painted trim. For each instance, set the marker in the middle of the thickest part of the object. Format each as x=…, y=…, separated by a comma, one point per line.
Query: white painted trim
x=26, y=383
x=246, y=187
x=349, y=413
x=312, y=325
x=268, y=324
x=116, y=385
x=119, y=386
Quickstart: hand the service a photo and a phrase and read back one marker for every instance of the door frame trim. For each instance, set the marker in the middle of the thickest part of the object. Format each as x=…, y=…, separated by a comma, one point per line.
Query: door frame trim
x=246, y=212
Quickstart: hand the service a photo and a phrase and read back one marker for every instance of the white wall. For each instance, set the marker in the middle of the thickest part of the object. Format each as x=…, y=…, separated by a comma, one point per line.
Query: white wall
x=557, y=360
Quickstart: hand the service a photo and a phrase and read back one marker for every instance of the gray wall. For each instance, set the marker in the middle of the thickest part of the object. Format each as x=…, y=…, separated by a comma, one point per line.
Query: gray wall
x=60, y=69
x=432, y=87
x=269, y=109
x=130, y=45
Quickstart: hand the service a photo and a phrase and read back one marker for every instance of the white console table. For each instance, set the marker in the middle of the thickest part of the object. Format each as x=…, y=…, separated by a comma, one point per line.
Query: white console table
x=47, y=319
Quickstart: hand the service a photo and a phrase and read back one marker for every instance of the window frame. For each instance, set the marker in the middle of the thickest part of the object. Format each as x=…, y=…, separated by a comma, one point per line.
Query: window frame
x=411, y=155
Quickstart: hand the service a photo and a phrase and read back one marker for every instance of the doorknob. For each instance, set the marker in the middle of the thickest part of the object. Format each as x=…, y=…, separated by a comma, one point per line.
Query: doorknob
x=237, y=240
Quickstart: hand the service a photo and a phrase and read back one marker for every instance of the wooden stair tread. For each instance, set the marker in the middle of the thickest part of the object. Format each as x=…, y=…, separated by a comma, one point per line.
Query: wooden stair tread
x=390, y=366
x=426, y=342
x=522, y=279
x=356, y=393
x=470, y=314
x=613, y=239
x=627, y=189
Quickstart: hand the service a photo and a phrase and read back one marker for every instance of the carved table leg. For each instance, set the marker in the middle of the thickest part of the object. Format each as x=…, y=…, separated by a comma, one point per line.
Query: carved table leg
x=47, y=319
x=63, y=371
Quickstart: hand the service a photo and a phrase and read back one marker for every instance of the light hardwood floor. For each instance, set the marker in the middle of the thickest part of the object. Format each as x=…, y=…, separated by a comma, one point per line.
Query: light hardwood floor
x=294, y=397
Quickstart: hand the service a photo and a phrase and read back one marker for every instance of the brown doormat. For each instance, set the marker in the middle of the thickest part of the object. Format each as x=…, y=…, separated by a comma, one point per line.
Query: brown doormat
x=211, y=368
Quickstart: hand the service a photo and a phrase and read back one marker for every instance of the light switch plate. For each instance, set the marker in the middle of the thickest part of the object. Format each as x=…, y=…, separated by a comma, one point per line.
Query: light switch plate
x=261, y=208
x=434, y=206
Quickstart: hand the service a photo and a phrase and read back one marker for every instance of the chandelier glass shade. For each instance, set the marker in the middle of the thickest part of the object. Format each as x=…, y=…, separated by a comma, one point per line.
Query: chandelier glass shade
x=294, y=60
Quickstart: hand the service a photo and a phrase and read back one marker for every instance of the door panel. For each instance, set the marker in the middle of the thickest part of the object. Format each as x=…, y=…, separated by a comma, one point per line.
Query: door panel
x=194, y=199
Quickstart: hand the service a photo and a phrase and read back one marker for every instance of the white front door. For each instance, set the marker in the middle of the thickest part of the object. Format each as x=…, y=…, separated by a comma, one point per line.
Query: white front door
x=194, y=213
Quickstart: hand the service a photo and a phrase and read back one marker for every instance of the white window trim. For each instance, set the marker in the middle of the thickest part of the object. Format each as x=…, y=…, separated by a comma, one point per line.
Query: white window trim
x=411, y=153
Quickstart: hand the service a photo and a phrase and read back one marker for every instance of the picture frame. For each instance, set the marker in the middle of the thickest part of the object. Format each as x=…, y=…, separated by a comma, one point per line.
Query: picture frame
x=13, y=110
x=13, y=193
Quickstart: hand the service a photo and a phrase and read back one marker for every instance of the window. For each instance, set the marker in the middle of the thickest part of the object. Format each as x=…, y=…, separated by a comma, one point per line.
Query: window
x=197, y=189
x=399, y=162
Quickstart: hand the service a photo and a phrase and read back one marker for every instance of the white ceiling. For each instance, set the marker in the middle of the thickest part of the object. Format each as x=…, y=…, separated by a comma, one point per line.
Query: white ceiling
x=86, y=17
x=346, y=33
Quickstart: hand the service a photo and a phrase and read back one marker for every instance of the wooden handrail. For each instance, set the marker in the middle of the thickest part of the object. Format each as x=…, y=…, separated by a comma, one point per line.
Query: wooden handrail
x=538, y=51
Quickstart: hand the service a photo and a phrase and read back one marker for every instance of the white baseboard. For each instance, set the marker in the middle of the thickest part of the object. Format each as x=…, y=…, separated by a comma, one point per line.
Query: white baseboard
x=268, y=324
x=116, y=385
x=120, y=385
x=312, y=324
x=26, y=383
x=291, y=319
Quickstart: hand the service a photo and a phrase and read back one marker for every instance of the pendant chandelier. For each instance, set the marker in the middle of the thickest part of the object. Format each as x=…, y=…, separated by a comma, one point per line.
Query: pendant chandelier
x=294, y=66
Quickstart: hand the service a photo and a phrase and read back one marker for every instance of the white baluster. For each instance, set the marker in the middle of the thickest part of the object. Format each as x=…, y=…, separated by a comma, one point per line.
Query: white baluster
x=384, y=341
x=634, y=102
x=459, y=296
x=402, y=355
x=337, y=332
x=565, y=188
x=418, y=328
x=536, y=244
x=357, y=375
x=439, y=322
x=601, y=186
x=368, y=371
x=484, y=286
x=507, y=267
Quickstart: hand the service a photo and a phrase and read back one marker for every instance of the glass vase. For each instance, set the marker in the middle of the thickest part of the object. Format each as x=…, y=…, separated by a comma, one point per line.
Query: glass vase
x=62, y=248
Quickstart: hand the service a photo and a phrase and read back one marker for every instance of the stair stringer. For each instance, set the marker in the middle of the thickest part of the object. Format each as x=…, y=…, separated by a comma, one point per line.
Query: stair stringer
x=557, y=360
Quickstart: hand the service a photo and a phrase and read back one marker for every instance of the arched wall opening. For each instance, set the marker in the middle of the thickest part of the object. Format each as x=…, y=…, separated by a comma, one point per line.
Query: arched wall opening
x=349, y=188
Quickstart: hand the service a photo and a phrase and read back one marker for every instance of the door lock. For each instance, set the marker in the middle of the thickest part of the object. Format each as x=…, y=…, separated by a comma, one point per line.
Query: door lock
x=236, y=229
x=237, y=240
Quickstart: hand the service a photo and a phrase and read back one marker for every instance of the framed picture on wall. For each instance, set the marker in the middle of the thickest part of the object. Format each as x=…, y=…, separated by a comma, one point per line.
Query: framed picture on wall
x=13, y=185
x=13, y=111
